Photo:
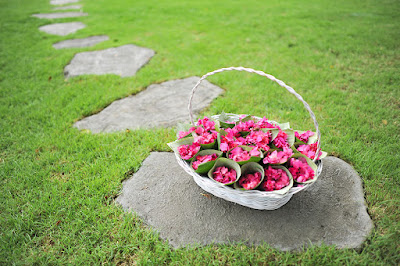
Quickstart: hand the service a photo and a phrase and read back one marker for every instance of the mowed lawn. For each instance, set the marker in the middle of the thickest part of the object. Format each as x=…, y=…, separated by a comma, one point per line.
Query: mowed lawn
x=58, y=184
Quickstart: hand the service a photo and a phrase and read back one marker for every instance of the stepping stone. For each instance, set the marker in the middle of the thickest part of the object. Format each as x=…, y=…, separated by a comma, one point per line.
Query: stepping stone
x=332, y=211
x=60, y=15
x=67, y=7
x=77, y=43
x=62, y=29
x=62, y=2
x=124, y=61
x=160, y=105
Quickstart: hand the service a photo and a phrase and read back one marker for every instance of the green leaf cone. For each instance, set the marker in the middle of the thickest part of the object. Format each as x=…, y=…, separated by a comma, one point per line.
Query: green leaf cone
x=205, y=167
x=227, y=163
x=250, y=168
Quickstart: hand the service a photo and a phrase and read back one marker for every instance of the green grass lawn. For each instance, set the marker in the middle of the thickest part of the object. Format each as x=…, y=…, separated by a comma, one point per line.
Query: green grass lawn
x=58, y=184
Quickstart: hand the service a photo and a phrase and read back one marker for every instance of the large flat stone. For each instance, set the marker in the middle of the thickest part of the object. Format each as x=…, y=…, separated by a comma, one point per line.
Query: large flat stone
x=332, y=211
x=60, y=15
x=77, y=43
x=160, y=105
x=62, y=2
x=62, y=29
x=124, y=61
x=71, y=7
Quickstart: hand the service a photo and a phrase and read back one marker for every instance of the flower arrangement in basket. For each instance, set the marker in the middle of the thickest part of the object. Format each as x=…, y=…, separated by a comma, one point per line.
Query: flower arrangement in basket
x=249, y=160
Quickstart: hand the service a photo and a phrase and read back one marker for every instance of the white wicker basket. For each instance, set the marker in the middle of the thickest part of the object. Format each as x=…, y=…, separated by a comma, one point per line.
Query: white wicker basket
x=260, y=200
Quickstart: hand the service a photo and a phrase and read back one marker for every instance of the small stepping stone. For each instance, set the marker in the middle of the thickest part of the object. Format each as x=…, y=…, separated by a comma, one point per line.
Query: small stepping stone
x=332, y=211
x=62, y=29
x=67, y=7
x=60, y=15
x=62, y=2
x=124, y=61
x=77, y=43
x=160, y=105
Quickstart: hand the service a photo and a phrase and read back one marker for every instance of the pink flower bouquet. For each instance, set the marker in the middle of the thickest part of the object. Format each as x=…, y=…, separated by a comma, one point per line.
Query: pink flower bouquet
x=277, y=179
x=243, y=154
x=225, y=171
x=252, y=176
x=205, y=160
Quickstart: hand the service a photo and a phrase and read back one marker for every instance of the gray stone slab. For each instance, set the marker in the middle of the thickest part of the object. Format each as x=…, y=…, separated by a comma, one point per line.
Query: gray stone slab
x=60, y=15
x=160, y=105
x=62, y=29
x=332, y=211
x=77, y=43
x=71, y=7
x=62, y=2
x=124, y=61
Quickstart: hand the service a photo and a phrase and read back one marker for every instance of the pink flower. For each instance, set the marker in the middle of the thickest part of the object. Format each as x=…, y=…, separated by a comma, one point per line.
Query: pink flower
x=278, y=157
x=224, y=175
x=188, y=151
x=264, y=123
x=250, y=181
x=206, y=138
x=206, y=123
x=230, y=141
x=281, y=140
x=245, y=126
x=309, y=150
x=182, y=134
x=260, y=139
x=203, y=159
x=274, y=179
x=304, y=136
x=300, y=169
x=238, y=154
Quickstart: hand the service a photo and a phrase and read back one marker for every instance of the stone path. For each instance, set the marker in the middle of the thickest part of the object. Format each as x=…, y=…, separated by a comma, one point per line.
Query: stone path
x=67, y=7
x=160, y=105
x=124, y=61
x=62, y=2
x=78, y=43
x=332, y=211
x=62, y=29
x=60, y=15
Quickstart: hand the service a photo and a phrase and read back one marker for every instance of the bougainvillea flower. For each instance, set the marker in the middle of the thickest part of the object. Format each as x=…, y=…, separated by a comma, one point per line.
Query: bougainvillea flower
x=274, y=179
x=278, y=157
x=203, y=159
x=224, y=175
x=206, y=138
x=259, y=139
x=309, y=150
x=300, y=170
x=238, y=154
x=188, y=151
x=182, y=134
x=206, y=123
x=264, y=123
x=250, y=181
x=281, y=140
x=245, y=126
x=304, y=136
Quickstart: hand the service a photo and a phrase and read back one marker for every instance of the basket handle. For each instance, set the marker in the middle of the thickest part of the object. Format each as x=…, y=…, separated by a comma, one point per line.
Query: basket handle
x=258, y=72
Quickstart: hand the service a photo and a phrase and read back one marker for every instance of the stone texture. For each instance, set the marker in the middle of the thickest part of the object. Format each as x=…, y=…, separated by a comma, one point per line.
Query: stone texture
x=77, y=43
x=62, y=29
x=124, y=61
x=62, y=2
x=160, y=105
x=332, y=211
x=71, y=7
x=60, y=15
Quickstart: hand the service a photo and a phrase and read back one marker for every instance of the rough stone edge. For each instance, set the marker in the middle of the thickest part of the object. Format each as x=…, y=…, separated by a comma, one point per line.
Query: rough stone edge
x=55, y=44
